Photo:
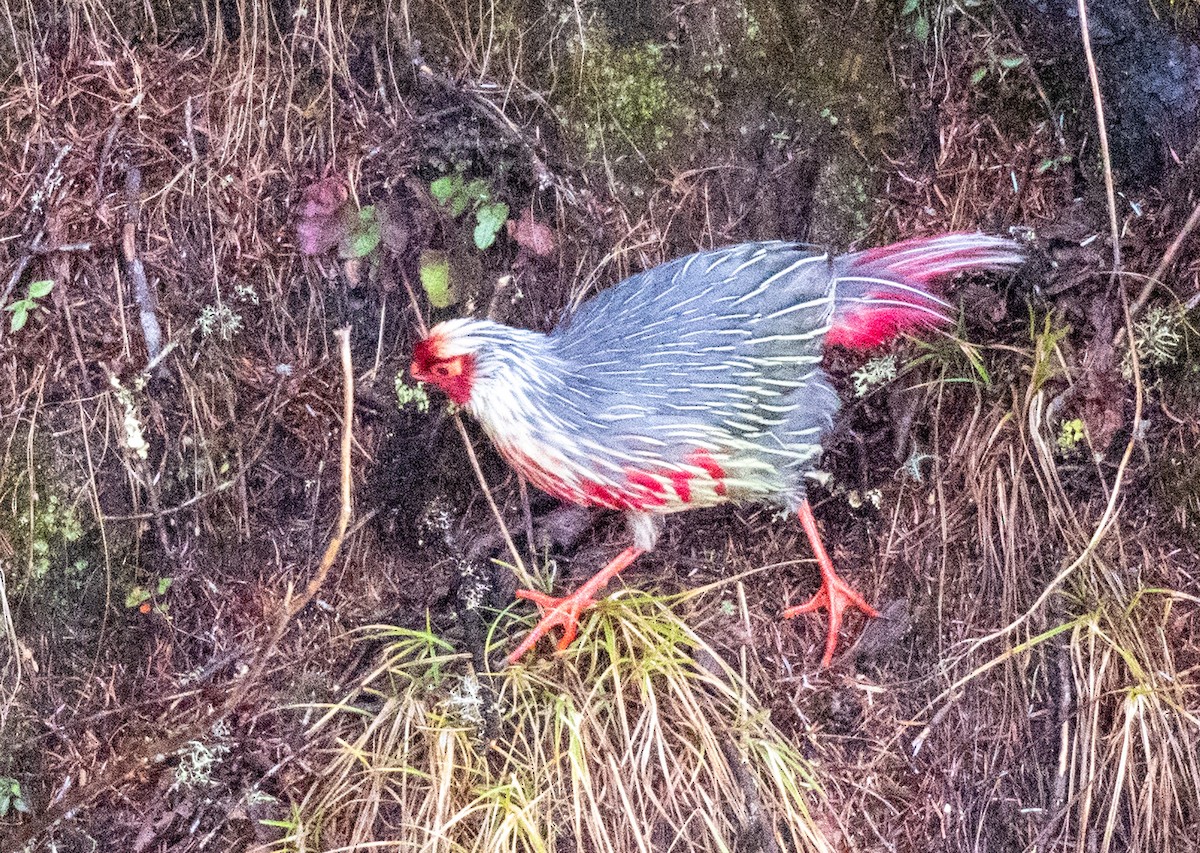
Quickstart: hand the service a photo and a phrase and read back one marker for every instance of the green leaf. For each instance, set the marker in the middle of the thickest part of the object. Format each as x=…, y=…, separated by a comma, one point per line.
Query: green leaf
x=458, y=204
x=910, y=6
x=136, y=597
x=478, y=191
x=435, y=278
x=363, y=234
x=493, y=214
x=20, y=315
x=164, y=584
x=1011, y=61
x=443, y=188
x=921, y=29
x=40, y=288
x=489, y=219
x=978, y=74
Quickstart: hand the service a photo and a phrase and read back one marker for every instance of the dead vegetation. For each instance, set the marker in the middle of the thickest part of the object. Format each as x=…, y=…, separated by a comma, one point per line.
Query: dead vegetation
x=1022, y=499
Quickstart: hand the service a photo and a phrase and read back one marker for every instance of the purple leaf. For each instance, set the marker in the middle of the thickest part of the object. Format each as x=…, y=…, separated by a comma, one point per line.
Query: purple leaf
x=531, y=234
x=322, y=225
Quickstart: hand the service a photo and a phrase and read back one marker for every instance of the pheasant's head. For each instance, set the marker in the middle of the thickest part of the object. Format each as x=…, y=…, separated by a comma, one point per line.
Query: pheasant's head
x=448, y=358
x=480, y=364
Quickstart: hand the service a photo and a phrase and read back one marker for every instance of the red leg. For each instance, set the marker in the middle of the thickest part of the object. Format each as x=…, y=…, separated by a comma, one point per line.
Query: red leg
x=565, y=611
x=834, y=593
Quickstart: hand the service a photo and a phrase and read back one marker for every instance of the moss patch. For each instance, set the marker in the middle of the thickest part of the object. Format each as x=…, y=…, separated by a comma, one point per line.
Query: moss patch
x=629, y=102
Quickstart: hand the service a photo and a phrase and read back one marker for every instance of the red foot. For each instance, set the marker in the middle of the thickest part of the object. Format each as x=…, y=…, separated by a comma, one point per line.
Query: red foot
x=834, y=594
x=566, y=611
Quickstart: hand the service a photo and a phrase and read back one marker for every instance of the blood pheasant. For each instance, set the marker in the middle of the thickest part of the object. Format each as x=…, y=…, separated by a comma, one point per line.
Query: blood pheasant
x=693, y=383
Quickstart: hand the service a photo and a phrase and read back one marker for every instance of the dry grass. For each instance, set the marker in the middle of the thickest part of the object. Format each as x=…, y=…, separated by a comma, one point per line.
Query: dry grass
x=639, y=737
x=1044, y=699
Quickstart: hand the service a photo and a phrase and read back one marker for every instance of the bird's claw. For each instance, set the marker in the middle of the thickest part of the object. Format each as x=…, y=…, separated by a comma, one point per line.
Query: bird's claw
x=555, y=612
x=836, y=595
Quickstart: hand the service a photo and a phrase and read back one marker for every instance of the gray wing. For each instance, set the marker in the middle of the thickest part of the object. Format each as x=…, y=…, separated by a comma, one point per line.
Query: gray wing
x=765, y=304
x=725, y=343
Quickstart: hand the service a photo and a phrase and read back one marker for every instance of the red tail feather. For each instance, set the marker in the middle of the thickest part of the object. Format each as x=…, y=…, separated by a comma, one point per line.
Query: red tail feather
x=869, y=328
x=883, y=292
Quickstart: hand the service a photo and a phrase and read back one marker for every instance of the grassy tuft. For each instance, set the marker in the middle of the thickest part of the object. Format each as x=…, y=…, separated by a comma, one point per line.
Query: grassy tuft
x=637, y=737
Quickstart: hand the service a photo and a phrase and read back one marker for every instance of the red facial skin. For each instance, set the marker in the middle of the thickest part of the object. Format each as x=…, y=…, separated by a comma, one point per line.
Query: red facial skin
x=453, y=374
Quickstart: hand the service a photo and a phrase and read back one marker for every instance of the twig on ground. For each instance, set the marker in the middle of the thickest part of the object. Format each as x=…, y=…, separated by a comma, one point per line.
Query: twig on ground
x=293, y=605
x=518, y=564
x=142, y=294
x=1102, y=129
x=757, y=834
x=1056, y=812
x=12, y=684
x=22, y=263
x=50, y=184
x=190, y=126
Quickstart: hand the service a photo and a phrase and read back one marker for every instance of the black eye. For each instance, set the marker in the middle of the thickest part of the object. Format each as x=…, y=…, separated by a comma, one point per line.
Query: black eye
x=441, y=370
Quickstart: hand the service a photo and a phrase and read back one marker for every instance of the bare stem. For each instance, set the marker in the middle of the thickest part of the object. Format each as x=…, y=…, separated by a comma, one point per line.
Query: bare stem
x=1106, y=159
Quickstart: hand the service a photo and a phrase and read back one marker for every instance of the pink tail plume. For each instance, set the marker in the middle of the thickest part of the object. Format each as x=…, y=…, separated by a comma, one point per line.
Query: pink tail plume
x=883, y=292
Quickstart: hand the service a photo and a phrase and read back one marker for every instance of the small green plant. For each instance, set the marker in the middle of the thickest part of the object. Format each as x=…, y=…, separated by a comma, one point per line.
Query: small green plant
x=330, y=219
x=146, y=600
x=1070, y=434
x=22, y=308
x=55, y=523
x=219, y=320
x=877, y=371
x=363, y=233
x=998, y=66
x=1157, y=336
x=411, y=394
x=295, y=831
x=458, y=196
x=1047, y=360
x=436, y=278
x=916, y=19
x=1053, y=163
x=10, y=797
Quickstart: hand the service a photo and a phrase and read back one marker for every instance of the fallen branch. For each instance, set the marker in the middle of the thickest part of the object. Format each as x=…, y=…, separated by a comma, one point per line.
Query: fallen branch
x=1160, y=270
x=1102, y=134
x=143, y=296
x=293, y=605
